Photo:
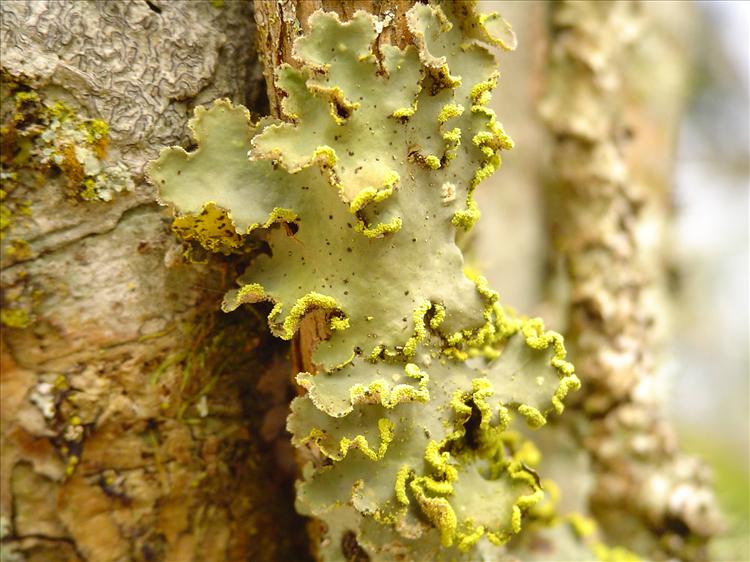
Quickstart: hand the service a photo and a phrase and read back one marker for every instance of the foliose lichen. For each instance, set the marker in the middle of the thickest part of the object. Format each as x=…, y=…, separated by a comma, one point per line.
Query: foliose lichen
x=358, y=193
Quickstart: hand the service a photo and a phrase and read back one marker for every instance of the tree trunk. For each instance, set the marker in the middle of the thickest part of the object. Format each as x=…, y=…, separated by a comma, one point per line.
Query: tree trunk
x=615, y=81
x=126, y=433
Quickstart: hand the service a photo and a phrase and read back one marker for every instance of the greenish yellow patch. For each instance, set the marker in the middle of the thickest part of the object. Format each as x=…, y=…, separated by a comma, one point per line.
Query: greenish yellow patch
x=15, y=317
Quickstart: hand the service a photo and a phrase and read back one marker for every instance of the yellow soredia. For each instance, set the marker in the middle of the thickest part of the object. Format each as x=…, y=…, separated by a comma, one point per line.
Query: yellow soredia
x=337, y=323
x=449, y=111
x=583, y=526
x=379, y=230
x=432, y=162
x=402, y=477
x=533, y=416
x=303, y=306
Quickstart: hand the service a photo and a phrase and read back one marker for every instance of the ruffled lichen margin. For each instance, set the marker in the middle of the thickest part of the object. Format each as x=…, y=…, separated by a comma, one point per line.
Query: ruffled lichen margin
x=357, y=194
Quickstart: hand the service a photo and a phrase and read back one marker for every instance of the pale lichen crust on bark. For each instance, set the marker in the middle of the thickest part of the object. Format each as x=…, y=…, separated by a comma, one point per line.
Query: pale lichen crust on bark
x=358, y=194
x=49, y=134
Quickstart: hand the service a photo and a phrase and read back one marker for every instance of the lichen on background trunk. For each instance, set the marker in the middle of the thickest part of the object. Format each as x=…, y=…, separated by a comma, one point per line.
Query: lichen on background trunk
x=615, y=81
x=127, y=433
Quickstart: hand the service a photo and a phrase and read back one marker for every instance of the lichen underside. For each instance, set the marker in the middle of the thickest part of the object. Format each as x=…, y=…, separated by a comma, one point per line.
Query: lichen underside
x=358, y=194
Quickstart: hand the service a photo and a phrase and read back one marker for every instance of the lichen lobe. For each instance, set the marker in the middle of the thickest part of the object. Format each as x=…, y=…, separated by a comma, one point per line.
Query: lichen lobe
x=424, y=373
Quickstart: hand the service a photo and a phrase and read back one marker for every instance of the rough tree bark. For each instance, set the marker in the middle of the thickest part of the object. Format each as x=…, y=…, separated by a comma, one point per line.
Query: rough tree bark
x=126, y=434
x=615, y=82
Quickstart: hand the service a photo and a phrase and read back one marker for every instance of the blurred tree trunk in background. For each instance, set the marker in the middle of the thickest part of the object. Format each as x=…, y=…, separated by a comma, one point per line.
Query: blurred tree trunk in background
x=616, y=88
x=127, y=433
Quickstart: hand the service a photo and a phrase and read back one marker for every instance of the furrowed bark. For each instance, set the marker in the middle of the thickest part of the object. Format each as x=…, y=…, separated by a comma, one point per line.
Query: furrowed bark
x=613, y=100
x=126, y=433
